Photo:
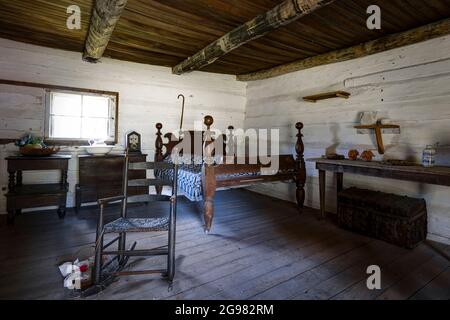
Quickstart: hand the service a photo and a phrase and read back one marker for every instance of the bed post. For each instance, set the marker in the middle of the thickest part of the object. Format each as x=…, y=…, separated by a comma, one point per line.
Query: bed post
x=208, y=175
x=300, y=170
x=158, y=151
x=230, y=152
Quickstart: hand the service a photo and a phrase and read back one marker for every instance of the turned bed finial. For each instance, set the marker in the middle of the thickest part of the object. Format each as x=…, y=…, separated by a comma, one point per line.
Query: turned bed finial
x=158, y=151
x=158, y=143
x=299, y=146
x=208, y=121
x=208, y=145
x=230, y=143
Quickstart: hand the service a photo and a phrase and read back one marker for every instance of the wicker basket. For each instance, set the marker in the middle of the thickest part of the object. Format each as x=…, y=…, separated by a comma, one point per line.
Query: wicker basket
x=35, y=152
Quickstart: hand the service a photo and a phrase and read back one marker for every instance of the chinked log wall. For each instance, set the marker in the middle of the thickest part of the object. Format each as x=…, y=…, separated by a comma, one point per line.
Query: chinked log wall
x=408, y=85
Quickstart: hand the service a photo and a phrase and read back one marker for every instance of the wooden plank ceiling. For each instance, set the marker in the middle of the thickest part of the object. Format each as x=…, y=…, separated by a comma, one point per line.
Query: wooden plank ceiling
x=165, y=32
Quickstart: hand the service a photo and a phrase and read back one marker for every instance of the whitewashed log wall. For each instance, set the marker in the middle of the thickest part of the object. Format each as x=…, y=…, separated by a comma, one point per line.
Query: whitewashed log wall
x=148, y=95
x=410, y=86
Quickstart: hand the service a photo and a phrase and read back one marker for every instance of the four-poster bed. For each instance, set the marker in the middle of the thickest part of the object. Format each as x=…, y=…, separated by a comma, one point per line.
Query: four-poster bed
x=200, y=180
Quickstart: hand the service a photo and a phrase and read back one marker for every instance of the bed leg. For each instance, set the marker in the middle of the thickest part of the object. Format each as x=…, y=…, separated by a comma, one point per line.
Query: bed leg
x=208, y=214
x=209, y=190
x=300, y=194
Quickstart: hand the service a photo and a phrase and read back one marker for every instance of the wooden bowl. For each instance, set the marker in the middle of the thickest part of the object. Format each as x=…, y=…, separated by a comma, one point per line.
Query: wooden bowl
x=34, y=152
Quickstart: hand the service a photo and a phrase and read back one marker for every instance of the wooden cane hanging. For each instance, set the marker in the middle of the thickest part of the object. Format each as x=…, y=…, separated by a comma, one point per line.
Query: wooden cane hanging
x=182, y=111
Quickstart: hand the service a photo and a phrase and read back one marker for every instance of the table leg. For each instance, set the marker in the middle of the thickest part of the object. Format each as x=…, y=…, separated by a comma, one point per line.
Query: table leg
x=61, y=212
x=322, y=186
x=339, y=185
x=12, y=181
x=339, y=181
x=77, y=198
x=19, y=178
x=63, y=178
x=11, y=217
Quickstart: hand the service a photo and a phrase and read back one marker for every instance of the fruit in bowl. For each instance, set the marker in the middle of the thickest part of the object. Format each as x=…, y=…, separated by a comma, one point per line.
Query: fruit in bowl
x=34, y=146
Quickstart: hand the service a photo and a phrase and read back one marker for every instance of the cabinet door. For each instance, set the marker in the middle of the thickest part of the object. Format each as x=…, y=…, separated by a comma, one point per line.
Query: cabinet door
x=101, y=172
x=102, y=177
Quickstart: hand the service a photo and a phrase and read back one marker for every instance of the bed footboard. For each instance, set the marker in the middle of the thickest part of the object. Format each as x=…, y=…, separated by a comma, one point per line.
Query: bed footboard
x=236, y=175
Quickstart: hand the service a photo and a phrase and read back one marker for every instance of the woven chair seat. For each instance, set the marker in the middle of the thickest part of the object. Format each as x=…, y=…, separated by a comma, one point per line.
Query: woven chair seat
x=137, y=225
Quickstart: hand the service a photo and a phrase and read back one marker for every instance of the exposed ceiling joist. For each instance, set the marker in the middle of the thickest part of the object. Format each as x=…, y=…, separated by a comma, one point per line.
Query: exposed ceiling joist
x=283, y=14
x=104, y=18
x=427, y=32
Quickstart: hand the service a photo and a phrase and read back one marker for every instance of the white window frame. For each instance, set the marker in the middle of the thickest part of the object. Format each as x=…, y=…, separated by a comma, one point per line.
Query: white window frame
x=112, y=123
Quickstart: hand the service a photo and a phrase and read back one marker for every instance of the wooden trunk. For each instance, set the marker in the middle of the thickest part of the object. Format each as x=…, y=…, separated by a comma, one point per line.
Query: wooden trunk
x=399, y=220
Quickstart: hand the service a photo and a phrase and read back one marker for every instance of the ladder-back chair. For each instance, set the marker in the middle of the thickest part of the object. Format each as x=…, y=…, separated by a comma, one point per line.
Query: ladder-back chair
x=123, y=225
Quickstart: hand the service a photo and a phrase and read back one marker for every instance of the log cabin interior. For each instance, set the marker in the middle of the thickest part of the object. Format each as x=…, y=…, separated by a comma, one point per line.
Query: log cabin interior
x=302, y=148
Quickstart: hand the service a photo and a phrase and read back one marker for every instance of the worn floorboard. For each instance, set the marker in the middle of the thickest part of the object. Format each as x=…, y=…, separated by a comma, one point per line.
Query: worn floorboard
x=259, y=248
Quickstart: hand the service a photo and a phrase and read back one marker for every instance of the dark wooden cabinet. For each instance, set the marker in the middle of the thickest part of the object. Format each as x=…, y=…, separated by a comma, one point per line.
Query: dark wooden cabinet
x=101, y=177
x=22, y=196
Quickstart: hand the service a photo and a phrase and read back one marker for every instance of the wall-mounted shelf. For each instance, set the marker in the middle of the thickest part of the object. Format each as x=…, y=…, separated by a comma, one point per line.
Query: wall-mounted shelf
x=6, y=141
x=327, y=95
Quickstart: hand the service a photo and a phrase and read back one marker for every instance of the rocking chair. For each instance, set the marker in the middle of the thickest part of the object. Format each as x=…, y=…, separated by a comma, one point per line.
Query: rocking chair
x=103, y=275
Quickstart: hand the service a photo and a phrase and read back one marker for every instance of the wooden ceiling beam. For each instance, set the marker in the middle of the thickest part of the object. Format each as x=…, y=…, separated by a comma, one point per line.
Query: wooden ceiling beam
x=427, y=32
x=283, y=14
x=104, y=18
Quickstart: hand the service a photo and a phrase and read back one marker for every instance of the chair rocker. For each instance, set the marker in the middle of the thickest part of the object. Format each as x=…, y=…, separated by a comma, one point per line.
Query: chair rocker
x=103, y=275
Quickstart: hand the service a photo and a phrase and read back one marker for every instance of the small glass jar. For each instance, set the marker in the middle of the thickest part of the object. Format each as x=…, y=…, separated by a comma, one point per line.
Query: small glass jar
x=428, y=156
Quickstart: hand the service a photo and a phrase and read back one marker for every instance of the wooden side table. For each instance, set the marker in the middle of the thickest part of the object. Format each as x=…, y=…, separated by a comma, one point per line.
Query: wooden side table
x=434, y=175
x=22, y=196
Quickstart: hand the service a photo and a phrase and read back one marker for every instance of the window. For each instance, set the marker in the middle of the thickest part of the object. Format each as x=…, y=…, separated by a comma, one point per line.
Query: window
x=79, y=116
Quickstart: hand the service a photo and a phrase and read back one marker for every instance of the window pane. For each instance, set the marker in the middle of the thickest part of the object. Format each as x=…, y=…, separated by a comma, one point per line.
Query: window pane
x=95, y=128
x=66, y=104
x=95, y=106
x=66, y=127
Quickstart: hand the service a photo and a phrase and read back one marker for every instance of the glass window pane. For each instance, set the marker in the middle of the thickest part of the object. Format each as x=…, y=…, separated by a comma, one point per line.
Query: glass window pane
x=95, y=106
x=95, y=128
x=64, y=104
x=66, y=127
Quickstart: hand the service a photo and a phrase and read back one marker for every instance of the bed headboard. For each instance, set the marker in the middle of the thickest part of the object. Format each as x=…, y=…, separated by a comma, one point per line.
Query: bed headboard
x=163, y=150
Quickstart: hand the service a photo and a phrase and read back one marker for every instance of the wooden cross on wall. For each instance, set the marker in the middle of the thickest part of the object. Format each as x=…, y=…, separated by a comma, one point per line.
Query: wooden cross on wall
x=378, y=126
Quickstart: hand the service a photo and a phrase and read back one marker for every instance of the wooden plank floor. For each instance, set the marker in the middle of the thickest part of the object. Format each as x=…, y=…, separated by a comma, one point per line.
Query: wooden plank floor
x=259, y=248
